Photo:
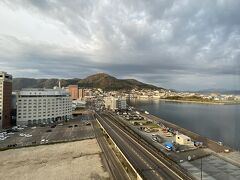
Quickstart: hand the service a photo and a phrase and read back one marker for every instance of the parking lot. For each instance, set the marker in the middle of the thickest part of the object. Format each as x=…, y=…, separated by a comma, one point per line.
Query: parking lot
x=182, y=154
x=77, y=129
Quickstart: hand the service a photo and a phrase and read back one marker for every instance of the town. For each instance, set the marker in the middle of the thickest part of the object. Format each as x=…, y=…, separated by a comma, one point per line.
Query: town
x=106, y=90
x=38, y=116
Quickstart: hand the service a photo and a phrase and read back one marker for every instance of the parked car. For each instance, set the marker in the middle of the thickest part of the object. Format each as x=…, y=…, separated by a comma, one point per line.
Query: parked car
x=53, y=126
x=28, y=135
x=88, y=123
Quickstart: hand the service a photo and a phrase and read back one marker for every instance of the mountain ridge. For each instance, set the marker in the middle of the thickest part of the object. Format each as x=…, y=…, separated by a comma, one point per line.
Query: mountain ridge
x=99, y=80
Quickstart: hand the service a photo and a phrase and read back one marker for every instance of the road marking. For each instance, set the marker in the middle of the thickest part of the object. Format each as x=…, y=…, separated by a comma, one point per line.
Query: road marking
x=132, y=149
x=146, y=149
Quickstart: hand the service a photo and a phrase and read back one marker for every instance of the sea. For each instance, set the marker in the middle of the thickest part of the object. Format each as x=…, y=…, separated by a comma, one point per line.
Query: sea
x=217, y=122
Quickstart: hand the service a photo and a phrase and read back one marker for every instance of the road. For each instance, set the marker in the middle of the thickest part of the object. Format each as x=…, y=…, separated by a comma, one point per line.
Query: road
x=147, y=165
x=113, y=164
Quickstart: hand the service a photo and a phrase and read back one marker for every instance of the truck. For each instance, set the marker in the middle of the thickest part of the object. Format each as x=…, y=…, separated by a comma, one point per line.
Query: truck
x=168, y=146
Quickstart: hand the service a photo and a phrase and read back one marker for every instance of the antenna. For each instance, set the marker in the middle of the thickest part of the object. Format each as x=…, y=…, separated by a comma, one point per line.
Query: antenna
x=59, y=83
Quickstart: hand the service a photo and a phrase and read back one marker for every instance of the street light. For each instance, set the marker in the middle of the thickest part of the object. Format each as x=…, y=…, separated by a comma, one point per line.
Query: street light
x=201, y=168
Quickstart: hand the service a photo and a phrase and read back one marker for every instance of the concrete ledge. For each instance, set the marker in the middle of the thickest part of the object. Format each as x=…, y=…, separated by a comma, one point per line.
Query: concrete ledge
x=138, y=176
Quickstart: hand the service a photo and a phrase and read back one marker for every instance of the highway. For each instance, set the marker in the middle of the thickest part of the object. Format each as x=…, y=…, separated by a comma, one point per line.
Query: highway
x=147, y=165
x=113, y=164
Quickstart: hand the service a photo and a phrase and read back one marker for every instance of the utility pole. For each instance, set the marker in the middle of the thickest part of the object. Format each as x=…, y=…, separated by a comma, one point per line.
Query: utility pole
x=201, y=168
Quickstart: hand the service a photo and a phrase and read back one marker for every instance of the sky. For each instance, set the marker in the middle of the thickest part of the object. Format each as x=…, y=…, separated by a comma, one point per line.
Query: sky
x=177, y=44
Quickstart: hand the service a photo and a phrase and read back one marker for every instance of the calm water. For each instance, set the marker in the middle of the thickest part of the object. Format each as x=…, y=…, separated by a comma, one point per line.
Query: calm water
x=217, y=122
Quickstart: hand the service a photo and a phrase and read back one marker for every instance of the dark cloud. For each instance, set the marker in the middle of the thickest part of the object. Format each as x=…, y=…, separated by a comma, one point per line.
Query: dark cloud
x=177, y=44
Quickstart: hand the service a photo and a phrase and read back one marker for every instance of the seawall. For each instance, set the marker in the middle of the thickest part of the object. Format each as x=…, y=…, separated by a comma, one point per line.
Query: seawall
x=206, y=141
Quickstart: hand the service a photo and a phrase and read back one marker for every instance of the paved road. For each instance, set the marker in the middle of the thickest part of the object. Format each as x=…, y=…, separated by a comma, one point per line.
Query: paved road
x=115, y=167
x=147, y=165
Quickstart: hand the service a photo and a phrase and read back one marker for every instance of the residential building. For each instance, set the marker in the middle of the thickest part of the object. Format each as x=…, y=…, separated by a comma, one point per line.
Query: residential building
x=121, y=103
x=80, y=93
x=114, y=103
x=78, y=104
x=14, y=109
x=88, y=93
x=110, y=103
x=183, y=139
x=73, y=91
x=5, y=100
x=36, y=106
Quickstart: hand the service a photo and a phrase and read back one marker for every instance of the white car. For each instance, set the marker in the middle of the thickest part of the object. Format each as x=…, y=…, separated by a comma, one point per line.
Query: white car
x=28, y=135
x=21, y=134
x=3, y=138
x=34, y=127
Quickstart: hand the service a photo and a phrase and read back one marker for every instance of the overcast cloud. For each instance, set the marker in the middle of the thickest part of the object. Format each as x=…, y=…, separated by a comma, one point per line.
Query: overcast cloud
x=170, y=43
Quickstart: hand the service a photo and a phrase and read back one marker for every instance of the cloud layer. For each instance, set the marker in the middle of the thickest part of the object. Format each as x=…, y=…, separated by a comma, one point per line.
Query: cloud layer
x=176, y=44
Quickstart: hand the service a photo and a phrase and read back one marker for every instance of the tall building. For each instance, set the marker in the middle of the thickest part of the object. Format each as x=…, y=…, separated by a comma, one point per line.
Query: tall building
x=42, y=106
x=81, y=93
x=88, y=92
x=121, y=103
x=110, y=103
x=114, y=103
x=73, y=91
x=5, y=99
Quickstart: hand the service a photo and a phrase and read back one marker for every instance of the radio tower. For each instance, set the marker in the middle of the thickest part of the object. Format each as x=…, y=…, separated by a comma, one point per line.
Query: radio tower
x=59, y=83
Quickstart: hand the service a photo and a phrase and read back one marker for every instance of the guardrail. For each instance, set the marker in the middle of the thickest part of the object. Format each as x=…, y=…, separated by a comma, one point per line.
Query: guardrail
x=138, y=175
x=156, y=152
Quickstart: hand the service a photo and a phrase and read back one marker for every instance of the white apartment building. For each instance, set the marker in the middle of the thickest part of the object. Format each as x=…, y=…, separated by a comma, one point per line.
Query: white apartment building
x=122, y=103
x=36, y=106
x=110, y=103
x=114, y=103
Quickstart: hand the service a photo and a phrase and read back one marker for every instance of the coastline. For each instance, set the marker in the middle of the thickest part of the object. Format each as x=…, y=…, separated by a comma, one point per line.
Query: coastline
x=211, y=144
x=231, y=155
x=193, y=102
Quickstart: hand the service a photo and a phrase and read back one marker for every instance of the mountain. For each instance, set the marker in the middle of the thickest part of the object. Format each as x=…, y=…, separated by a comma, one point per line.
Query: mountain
x=100, y=80
x=19, y=83
x=222, y=91
x=108, y=82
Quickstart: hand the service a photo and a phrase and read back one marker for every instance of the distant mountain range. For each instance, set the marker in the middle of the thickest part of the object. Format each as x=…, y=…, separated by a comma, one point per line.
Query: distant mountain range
x=100, y=80
x=222, y=91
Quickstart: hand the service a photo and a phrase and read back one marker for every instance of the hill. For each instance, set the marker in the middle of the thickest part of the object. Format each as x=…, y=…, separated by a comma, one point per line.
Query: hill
x=100, y=80
x=107, y=82
x=19, y=83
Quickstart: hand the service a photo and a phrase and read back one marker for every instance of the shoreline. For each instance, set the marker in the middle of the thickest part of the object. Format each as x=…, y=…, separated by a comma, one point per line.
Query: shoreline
x=193, y=102
x=211, y=144
x=189, y=101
